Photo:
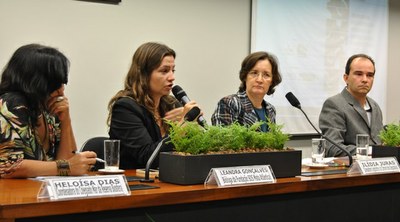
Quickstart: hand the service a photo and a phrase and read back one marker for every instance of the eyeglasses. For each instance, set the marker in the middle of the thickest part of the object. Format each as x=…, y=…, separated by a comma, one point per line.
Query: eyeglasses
x=255, y=74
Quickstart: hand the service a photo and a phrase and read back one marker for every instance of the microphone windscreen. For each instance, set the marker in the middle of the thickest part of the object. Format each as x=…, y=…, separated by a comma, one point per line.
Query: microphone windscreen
x=192, y=114
x=178, y=92
x=293, y=100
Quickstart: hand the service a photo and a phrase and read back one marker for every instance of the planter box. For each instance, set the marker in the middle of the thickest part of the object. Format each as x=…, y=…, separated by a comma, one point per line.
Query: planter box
x=386, y=151
x=193, y=169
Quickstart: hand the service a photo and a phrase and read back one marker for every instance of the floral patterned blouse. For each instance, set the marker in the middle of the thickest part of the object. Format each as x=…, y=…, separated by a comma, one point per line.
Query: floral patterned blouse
x=18, y=139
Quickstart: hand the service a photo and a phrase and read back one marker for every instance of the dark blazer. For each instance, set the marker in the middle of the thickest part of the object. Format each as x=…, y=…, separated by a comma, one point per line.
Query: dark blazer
x=138, y=131
x=342, y=118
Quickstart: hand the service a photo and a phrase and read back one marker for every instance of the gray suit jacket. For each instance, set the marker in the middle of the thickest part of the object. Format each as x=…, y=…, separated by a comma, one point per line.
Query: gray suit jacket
x=342, y=118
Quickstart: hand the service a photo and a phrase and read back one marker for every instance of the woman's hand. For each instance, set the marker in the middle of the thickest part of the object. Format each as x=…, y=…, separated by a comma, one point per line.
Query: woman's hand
x=58, y=104
x=179, y=116
x=82, y=163
x=174, y=115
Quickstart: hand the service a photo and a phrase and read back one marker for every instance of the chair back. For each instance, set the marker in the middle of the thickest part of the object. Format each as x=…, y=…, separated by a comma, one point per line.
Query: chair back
x=95, y=144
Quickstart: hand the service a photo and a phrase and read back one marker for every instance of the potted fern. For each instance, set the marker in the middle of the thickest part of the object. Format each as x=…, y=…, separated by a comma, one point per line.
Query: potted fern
x=390, y=137
x=198, y=150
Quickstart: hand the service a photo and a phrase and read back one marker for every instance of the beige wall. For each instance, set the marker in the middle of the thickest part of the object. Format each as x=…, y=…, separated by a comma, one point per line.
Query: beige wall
x=211, y=39
x=393, y=81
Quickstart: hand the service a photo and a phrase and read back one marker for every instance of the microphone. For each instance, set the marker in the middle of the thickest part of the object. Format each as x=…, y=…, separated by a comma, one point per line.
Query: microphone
x=183, y=98
x=190, y=116
x=295, y=102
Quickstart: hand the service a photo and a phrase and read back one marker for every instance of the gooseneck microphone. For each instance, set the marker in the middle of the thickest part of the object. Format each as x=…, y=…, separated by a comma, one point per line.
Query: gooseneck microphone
x=183, y=98
x=295, y=102
x=190, y=116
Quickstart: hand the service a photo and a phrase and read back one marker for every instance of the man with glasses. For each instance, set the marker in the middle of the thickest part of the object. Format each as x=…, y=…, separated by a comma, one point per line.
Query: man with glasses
x=259, y=75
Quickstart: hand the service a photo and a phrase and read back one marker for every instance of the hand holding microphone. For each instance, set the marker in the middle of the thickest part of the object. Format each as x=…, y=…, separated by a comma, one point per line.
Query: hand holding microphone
x=178, y=114
x=174, y=115
x=184, y=99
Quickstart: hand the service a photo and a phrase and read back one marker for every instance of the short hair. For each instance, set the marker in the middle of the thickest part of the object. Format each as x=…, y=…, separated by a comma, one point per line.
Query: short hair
x=250, y=61
x=350, y=60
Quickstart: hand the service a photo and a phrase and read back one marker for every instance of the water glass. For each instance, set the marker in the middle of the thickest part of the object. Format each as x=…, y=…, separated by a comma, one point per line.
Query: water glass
x=318, y=146
x=111, y=155
x=362, y=145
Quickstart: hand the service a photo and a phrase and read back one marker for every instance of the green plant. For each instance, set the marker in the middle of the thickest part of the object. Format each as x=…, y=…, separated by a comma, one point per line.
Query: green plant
x=390, y=135
x=193, y=139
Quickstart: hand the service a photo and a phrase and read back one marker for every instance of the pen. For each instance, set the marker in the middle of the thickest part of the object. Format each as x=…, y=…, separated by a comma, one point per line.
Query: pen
x=97, y=159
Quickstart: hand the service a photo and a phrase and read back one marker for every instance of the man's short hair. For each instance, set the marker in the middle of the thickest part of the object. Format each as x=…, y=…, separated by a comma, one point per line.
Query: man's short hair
x=350, y=60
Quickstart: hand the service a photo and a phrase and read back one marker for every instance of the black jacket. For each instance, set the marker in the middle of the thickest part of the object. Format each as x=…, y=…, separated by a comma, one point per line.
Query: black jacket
x=138, y=132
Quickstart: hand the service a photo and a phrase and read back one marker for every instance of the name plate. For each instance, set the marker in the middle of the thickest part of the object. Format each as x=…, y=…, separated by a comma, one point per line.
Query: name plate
x=57, y=188
x=230, y=176
x=375, y=166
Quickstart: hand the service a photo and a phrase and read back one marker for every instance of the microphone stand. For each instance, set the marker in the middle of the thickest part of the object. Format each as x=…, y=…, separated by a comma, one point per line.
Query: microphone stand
x=329, y=140
x=151, y=160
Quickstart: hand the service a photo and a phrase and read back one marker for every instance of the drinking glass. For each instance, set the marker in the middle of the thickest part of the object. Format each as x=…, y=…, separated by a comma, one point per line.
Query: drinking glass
x=362, y=144
x=318, y=150
x=111, y=155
